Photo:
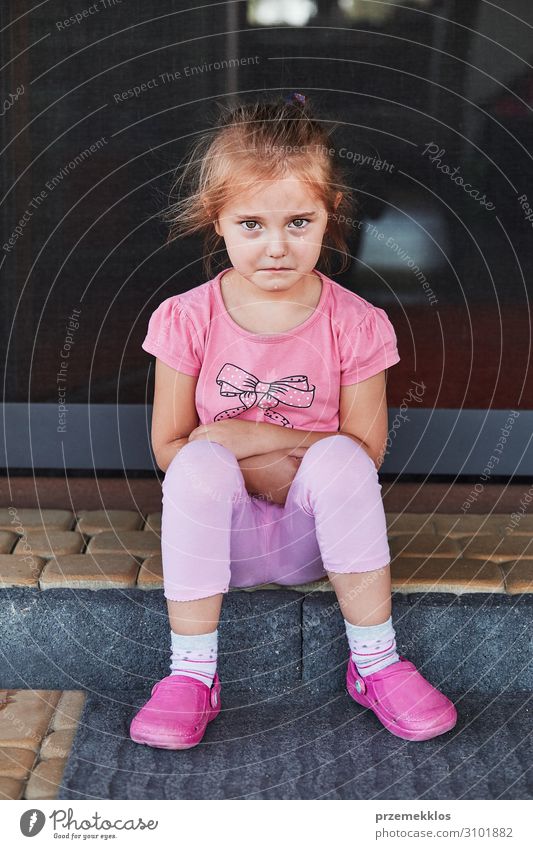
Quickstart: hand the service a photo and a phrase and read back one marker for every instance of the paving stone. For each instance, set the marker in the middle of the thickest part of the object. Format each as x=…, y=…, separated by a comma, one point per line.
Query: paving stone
x=410, y=523
x=94, y=521
x=68, y=711
x=518, y=576
x=7, y=541
x=137, y=543
x=15, y=763
x=45, y=780
x=500, y=549
x=438, y=574
x=24, y=519
x=10, y=788
x=57, y=744
x=100, y=571
x=153, y=523
x=424, y=545
x=457, y=525
x=150, y=575
x=25, y=718
x=20, y=570
x=50, y=543
x=518, y=523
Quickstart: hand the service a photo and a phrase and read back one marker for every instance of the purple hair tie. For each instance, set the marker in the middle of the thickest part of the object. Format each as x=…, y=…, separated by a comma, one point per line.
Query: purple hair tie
x=295, y=97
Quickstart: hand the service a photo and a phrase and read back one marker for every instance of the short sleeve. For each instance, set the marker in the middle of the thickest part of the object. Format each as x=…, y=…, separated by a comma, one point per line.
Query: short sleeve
x=172, y=338
x=369, y=348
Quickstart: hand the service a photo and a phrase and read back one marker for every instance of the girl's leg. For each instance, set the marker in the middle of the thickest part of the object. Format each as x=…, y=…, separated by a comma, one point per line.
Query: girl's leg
x=337, y=483
x=208, y=518
x=210, y=535
x=333, y=521
x=354, y=531
x=364, y=597
x=195, y=617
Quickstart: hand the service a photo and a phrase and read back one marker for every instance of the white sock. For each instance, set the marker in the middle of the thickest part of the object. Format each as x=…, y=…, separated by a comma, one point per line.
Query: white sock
x=195, y=656
x=373, y=647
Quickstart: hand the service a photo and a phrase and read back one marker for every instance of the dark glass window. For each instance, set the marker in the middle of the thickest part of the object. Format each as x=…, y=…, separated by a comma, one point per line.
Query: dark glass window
x=434, y=99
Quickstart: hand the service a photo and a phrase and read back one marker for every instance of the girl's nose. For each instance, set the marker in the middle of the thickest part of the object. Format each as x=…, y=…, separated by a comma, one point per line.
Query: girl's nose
x=276, y=249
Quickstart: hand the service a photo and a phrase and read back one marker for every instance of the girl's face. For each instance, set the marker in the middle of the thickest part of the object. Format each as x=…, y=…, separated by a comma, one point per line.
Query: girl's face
x=280, y=226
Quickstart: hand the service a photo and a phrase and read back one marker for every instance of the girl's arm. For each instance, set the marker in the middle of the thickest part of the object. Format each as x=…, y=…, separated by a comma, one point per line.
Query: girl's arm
x=362, y=417
x=174, y=413
x=247, y=439
x=363, y=414
x=166, y=453
x=268, y=476
x=174, y=417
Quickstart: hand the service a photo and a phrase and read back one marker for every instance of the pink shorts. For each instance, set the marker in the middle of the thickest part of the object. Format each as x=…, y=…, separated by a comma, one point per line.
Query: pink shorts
x=215, y=535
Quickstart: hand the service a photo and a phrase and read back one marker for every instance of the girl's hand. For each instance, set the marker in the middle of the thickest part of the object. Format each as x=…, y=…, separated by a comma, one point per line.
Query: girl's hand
x=234, y=434
x=270, y=476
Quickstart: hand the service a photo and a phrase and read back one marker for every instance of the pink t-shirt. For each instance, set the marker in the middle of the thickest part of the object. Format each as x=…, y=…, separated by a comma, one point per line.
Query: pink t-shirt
x=292, y=378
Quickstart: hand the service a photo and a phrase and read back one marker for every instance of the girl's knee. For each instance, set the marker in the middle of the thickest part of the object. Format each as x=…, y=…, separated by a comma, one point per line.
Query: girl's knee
x=203, y=463
x=336, y=453
x=338, y=466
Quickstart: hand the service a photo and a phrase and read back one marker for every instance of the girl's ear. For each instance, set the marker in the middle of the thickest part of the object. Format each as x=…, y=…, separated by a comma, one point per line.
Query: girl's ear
x=209, y=214
x=338, y=198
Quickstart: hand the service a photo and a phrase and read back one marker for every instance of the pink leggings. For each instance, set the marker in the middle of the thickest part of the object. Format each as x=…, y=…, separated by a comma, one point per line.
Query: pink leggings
x=215, y=535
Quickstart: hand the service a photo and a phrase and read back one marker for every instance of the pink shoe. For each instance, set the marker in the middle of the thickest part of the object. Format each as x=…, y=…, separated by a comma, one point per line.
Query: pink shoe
x=176, y=715
x=407, y=705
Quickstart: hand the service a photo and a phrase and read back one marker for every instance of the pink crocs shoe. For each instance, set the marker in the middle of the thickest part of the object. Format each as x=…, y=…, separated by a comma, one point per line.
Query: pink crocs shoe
x=407, y=705
x=176, y=715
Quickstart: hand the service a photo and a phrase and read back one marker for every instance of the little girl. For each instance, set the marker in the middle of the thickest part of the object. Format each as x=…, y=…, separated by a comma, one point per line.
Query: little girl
x=270, y=421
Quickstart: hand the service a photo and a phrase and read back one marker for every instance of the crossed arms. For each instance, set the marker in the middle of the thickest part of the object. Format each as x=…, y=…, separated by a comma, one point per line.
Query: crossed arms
x=269, y=455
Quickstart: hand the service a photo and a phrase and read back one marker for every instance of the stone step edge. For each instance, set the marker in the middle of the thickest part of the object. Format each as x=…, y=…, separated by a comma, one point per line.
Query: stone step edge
x=409, y=575
x=285, y=638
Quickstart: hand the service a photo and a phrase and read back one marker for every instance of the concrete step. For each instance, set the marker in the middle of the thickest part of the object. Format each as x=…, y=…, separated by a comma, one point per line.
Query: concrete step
x=270, y=641
x=301, y=745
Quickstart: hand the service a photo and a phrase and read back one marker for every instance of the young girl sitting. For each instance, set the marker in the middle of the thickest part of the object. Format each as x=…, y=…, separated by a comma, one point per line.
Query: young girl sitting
x=270, y=422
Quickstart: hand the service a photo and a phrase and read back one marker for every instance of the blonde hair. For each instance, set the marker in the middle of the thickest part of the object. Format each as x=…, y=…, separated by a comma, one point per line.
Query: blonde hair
x=250, y=144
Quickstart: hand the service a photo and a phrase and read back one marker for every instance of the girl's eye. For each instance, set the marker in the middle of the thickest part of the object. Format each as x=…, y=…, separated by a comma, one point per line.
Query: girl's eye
x=298, y=221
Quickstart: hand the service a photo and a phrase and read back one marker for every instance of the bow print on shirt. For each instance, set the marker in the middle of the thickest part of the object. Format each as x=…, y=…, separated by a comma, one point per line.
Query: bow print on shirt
x=294, y=391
